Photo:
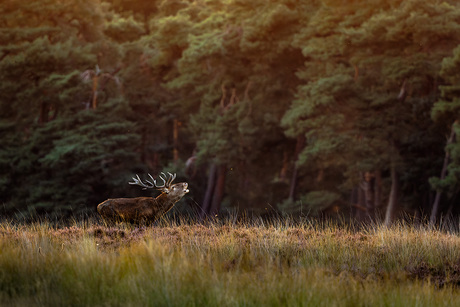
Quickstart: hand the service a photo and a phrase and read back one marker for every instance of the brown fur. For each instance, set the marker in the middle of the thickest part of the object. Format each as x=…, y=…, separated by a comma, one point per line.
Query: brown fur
x=143, y=208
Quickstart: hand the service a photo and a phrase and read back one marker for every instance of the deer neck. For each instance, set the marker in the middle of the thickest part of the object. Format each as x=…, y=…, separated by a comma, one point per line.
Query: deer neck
x=167, y=200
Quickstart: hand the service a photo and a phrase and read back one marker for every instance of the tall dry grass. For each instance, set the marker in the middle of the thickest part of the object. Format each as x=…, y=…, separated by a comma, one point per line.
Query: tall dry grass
x=227, y=264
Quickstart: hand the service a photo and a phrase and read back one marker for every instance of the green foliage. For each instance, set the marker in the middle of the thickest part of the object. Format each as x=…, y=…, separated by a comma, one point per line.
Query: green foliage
x=124, y=29
x=236, y=83
x=370, y=82
x=77, y=161
x=446, y=112
x=315, y=203
x=321, y=200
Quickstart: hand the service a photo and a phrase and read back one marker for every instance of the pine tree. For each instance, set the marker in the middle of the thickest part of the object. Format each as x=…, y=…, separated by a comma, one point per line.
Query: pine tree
x=224, y=66
x=370, y=83
x=54, y=151
x=446, y=112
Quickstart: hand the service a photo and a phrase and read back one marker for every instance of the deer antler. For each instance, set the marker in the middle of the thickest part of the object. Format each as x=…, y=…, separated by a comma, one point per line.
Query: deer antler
x=153, y=184
x=171, y=179
x=138, y=181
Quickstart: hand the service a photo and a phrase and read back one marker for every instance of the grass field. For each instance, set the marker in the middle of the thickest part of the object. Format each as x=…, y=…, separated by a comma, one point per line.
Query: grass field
x=227, y=264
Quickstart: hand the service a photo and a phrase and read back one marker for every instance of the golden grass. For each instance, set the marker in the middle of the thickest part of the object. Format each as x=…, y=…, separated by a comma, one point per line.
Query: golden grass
x=227, y=264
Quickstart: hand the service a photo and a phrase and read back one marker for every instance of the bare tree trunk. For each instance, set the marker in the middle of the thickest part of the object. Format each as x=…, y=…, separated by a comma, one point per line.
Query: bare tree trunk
x=298, y=148
x=175, y=140
x=369, y=194
x=285, y=167
x=218, y=191
x=360, y=204
x=393, y=199
x=205, y=208
x=378, y=189
x=437, y=200
x=366, y=195
x=94, y=98
x=293, y=184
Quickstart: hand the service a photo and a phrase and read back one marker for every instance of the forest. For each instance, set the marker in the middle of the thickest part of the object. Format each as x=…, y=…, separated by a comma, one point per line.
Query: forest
x=299, y=108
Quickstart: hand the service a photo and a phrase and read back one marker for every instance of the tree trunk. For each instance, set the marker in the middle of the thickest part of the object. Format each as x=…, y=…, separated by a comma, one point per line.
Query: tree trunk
x=393, y=199
x=218, y=191
x=360, y=205
x=293, y=184
x=284, y=168
x=205, y=208
x=369, y=194
x=175, y=140
x=366, y=195
x=437, y=199
x=298, y=148
x=94, y=98
x=378, y=189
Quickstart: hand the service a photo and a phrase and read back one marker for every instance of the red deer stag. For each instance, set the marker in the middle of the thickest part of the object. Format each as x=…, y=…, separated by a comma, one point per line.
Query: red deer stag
x=145, y=208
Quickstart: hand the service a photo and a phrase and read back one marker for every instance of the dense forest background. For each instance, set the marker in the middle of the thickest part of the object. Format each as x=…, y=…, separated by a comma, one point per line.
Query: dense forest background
x=287, y=107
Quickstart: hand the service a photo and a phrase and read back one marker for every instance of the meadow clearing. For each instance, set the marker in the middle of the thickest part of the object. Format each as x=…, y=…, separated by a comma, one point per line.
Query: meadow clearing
x=227, y=263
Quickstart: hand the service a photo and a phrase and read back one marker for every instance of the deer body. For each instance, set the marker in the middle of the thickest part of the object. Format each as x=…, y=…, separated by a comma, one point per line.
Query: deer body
x=144, y=208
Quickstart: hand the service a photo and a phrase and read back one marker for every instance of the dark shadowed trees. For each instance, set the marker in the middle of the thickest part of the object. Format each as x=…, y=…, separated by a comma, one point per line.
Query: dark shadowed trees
x=325, y=106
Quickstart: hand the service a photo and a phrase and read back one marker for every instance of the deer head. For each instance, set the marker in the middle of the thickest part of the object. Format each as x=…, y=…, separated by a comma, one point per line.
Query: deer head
x=167, y=187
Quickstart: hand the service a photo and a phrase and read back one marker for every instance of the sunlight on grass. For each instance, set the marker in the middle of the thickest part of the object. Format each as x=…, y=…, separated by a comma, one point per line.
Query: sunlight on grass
x=227, y=264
